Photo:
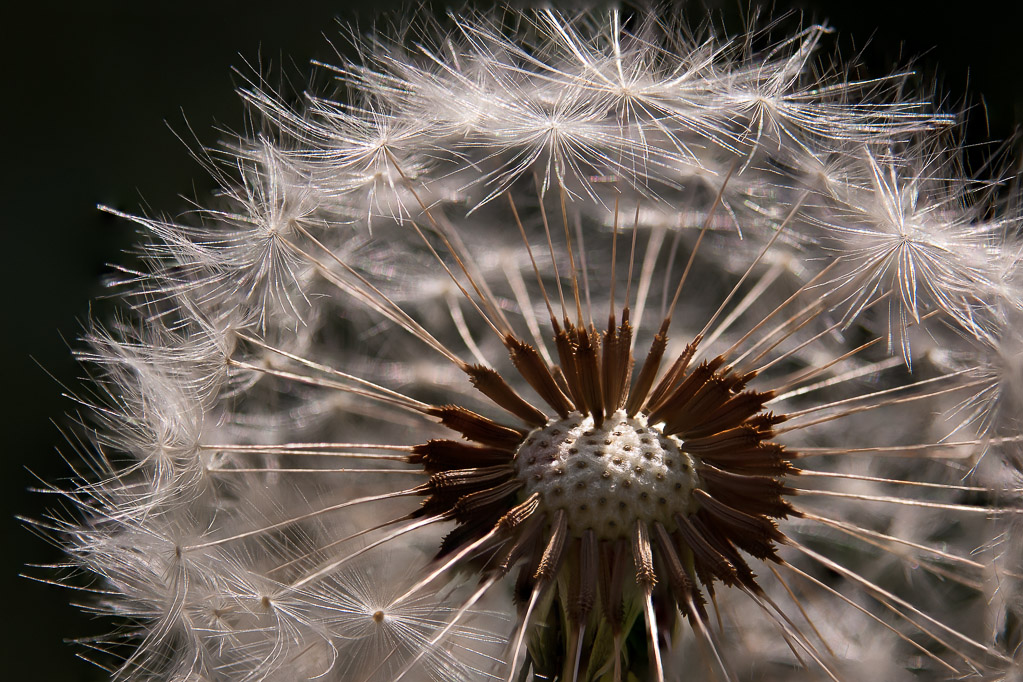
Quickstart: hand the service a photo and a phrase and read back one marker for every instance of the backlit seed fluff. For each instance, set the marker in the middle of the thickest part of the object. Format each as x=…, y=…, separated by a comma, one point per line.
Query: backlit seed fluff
x=576, y=347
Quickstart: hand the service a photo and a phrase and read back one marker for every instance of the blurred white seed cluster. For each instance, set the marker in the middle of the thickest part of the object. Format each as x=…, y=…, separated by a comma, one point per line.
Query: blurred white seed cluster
x=246, y=491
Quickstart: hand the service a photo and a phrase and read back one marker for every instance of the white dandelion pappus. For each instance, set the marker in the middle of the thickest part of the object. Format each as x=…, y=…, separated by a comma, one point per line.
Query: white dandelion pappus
x=581, y=318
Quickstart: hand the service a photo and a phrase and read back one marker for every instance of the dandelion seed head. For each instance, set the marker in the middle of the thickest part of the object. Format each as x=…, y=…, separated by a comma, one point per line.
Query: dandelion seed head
x=564, y=347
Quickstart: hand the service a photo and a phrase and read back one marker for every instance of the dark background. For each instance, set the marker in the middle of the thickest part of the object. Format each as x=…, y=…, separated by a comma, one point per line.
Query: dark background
x=89, y=98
